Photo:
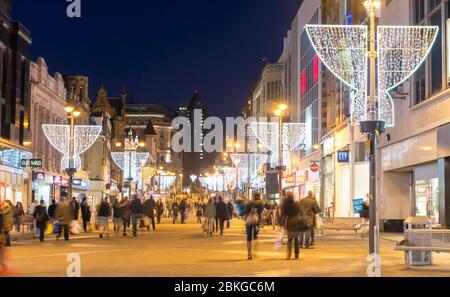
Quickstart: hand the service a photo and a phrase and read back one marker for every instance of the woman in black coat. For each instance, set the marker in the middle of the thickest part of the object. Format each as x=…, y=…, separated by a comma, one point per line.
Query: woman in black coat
x=290, y=215
x=41, y=217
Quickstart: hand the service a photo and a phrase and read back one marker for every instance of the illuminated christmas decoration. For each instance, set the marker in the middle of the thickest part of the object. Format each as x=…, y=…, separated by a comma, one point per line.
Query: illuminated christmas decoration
x=165, y=181
x=344, y=51
x=193, y=178
x=130, y=161
x=213, y=183
x=59, y=138
x=293, y=137
x=248, y=172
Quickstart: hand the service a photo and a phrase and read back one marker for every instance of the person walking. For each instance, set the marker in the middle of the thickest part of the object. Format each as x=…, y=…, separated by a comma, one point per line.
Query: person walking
x=199, y=214
x=117, y=216
x=308, y=208
x=85, y=214
x=159, y=210
x=210, y=214
x=7, y=210
x=51, y=210
x=183, y=210
x=230, y=211
x=290, y=215
x=41, y=217
x=150, y=211
x=31, y=209
x=216, y=219
x=252, y=216
x=137, y=211
x=75, y=207
x=175, y=212
x=18, y=214
x=103, y=214
x=126, y=214
x=221, y=213
x=64, y=216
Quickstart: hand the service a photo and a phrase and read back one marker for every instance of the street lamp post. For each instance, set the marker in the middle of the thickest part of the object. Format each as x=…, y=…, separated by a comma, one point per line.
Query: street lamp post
x=236, y=150
x=279, y=112
x=71, y=170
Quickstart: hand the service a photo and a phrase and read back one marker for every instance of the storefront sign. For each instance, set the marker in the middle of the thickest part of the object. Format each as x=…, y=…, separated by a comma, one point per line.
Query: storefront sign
x=33, y=163
x=57, y=180
x=77, y=182
x=343, y=156
x=314, y=167
x=358, y=205
x=39, y=176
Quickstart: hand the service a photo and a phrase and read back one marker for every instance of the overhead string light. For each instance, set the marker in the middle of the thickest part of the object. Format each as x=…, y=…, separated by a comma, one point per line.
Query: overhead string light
x=59, y=138
x=241, y=162
x=343, y=50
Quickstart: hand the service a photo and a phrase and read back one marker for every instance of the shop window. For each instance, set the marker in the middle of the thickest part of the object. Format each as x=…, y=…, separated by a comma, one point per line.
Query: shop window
x=436, y=55
x=419, y=10
x=427, y=199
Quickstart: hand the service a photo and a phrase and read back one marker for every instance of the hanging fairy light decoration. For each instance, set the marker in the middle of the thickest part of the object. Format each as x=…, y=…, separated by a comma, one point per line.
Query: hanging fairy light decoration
x=166, y=181
x=193, y=178
x=59, y=138
x=401, y=50
x=130, y=161
x=293, y=137
x=248, y=166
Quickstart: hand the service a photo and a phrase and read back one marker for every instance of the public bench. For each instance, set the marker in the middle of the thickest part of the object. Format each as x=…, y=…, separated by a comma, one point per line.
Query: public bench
x=425, y=240
x=26, y=221
x=343, y=224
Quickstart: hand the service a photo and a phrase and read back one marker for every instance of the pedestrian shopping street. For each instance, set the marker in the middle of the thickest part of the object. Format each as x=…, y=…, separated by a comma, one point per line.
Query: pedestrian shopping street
x=182, y=251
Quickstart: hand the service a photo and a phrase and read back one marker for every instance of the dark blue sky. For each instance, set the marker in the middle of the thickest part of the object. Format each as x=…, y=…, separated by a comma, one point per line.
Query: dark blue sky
x=162, y=50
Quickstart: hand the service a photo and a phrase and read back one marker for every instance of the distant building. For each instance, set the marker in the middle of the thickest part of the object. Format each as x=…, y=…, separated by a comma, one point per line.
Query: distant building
x=15, y=104
x=48, y=99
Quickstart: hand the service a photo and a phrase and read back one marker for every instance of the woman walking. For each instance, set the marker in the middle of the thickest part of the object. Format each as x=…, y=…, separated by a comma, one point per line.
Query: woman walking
x=252, y=218
x=210, y=214
x=7, y=210
x=41, y=217
x=85, y=214
x=290, y=216
x=18, y=214
x=104, y=212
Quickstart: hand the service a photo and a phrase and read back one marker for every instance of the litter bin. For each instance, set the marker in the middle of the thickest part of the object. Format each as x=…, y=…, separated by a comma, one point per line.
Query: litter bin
x=417, y=258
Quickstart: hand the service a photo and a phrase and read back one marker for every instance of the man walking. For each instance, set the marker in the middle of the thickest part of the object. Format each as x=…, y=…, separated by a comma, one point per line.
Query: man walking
x=309, y=208
x=150, y=210
x=137, y=211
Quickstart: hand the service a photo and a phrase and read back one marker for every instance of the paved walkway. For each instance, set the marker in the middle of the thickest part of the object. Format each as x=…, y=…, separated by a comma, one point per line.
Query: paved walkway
x=182, y=250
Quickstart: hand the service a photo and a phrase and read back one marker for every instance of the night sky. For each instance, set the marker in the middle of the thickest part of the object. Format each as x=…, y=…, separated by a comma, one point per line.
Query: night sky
x=162, y=50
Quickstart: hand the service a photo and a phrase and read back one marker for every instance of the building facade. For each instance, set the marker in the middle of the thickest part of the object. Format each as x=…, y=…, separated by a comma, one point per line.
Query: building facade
x=15, y=104
x=48, y=99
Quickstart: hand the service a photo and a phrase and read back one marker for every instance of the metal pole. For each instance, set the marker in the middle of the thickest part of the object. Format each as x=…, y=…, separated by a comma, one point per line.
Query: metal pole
x=71, y=168
x=248, y=175
x=280, y=154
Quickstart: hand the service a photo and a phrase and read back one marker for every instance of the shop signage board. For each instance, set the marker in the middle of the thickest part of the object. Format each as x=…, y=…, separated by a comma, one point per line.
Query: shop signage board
x=39, y=176
x=358, y=205
x=33, y=163
x=343, y=156
x=77, y=182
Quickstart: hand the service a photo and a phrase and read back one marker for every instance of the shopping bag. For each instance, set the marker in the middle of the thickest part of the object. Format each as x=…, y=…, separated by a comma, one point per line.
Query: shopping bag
x=56, y=228
x=279, y=242
x=75, y=228
x=49, y=229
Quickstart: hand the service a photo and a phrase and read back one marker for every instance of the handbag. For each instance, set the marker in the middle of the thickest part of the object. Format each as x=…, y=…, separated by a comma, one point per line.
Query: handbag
x=252, y=218
x=49, y=229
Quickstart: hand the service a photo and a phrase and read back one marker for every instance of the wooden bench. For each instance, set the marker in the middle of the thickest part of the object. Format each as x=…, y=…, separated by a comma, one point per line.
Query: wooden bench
x=343, y=224
x=425, y=240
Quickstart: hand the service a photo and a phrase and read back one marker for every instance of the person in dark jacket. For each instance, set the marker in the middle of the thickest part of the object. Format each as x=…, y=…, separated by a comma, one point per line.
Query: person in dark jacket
x=230, y=210
x=64, y=216
x=51, y=210
x=216, y=222
x=150, y=210
x=221, y=213
x=76, y=208
x=175, y=212
x=251, y=212
x=183, y=209
x=85, y=214
x=41, y=217
x=309, y=208
x=159, y=210
x=103, y=214
x=137, y=211
x=125, y=214
x=290, y=216
x=117, y=216
x=18, y=214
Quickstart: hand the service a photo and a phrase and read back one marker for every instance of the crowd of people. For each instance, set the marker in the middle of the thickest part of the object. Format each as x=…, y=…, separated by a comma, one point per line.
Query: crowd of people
x=296, y=219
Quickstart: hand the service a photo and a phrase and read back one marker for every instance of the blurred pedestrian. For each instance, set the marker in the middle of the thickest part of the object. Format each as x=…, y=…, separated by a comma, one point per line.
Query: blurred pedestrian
x=103, y=214
x=7, y=210
x=230, y=211
x=199, y=214
x=117, y=216
x=252, y=216
x=183, y=210
x=41, y=216
x=18, y=214
x=150, y=211
x=75, y=208
x=290, y=215
x=85, y=214
x=51, y=210
x=160, y=210
x=64, y=216
x=174, y=211
x=137, y=211
x=210, y=214
x=216, y=219
x=3, y=267
x=221, y=213
x=126, y=214
x=308, y=208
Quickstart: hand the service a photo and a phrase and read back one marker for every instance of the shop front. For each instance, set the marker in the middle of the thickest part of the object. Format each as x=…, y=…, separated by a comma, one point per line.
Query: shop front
x=14, y=179
x=44, y=188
